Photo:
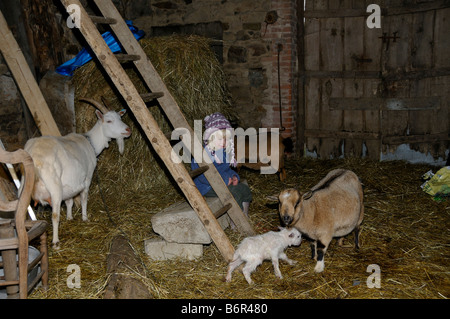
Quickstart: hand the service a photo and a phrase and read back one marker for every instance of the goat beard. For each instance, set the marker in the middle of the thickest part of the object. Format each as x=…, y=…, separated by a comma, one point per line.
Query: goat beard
x=120, y=144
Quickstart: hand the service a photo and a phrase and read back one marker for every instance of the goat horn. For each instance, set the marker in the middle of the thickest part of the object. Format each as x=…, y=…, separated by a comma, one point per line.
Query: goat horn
x=98, y=105
x=308, y=195
x=106, y=103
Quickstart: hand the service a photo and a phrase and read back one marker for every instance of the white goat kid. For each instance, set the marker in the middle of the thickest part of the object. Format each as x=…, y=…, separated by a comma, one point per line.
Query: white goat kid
x=271, y=245
x=65, y=165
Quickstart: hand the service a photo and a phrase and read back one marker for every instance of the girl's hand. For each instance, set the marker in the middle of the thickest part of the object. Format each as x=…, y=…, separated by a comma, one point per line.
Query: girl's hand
x=233, y=180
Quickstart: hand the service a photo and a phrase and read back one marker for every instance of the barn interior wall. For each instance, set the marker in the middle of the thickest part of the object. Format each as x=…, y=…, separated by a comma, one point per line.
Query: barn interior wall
x=259, y=40
x=251, y=34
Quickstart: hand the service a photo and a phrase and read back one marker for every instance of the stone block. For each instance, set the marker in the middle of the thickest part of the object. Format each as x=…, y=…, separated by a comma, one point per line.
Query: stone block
x=159, y=249
x=179, y=223
x=237, y=54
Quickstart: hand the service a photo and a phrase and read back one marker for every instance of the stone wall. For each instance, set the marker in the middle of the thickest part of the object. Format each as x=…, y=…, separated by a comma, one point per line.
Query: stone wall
x=252, y=31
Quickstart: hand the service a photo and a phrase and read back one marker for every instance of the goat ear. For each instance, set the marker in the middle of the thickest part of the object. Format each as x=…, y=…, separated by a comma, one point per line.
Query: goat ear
x=122, y=112
x=291, y=235
x=99, y=114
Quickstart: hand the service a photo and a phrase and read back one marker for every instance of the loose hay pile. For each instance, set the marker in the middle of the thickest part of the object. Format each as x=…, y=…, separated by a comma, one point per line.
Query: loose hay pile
x=404, y=231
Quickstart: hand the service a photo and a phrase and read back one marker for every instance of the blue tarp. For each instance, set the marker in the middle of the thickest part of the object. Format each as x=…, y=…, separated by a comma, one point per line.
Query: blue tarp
x=84, y=55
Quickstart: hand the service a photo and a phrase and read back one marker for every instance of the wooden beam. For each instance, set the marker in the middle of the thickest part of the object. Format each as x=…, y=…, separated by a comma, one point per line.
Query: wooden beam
x=387, y=104
x=25, y=81
x=407, y=139
x=340, y=74
x=318, y=133
x=355, y=74
x=416, y=75
x=411, y=8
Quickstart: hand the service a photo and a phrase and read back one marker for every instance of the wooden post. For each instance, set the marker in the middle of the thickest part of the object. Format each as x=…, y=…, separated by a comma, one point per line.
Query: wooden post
x=25, y=81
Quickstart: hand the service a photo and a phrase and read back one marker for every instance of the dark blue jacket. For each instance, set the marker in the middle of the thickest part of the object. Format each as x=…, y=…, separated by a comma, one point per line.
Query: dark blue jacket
x=224, y=170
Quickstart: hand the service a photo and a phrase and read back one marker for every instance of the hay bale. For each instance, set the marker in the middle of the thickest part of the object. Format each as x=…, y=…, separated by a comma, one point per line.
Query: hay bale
x=195, y=78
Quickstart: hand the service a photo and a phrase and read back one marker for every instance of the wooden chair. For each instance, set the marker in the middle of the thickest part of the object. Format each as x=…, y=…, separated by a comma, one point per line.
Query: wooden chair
x=16, y=234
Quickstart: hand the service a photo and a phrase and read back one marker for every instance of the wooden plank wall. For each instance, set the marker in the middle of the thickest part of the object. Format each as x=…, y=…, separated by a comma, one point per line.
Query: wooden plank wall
x=418, y=68
x=363, y=95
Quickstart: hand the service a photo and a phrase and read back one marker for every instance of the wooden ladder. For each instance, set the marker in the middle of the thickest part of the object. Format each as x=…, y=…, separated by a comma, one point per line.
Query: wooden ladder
x=136, y=103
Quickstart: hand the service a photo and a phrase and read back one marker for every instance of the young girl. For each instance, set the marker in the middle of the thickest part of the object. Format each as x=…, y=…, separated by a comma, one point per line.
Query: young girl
x=219, y=144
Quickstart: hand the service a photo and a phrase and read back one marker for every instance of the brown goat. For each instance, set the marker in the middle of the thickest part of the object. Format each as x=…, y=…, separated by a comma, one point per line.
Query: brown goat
x=332, y=208
x=244, y=161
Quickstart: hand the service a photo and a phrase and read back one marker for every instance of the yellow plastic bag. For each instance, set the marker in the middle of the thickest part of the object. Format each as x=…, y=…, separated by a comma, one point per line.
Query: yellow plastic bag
x=438, y=185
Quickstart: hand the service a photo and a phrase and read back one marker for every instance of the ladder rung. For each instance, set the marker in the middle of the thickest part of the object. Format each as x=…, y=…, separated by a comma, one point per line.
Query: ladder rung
x=127, y=57
x=198, y=171
x=147, y=97
x=103, y=20
x=177, y=137
x=223, y=210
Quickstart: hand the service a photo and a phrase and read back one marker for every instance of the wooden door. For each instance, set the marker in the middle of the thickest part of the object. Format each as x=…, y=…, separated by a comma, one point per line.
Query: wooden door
x=367, y=91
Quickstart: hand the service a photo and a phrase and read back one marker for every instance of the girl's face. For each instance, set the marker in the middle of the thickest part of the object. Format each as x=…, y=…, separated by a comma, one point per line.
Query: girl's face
x=218, y=140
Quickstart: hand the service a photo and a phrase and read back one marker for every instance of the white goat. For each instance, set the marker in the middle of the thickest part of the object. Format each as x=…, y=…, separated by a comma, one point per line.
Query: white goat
x=271, y=245
x=333, y=208
x=64, y=165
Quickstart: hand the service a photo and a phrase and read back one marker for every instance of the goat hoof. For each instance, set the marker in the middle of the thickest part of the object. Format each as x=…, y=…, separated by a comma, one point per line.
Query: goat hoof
x=319, y=267
x=56, y=246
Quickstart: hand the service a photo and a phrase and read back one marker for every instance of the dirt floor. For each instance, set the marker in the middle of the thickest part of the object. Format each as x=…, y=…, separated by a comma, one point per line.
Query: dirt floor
x=405, y=234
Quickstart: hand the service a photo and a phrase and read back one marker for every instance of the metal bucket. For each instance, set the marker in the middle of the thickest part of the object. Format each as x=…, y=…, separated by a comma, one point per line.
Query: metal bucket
x=32, y=254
